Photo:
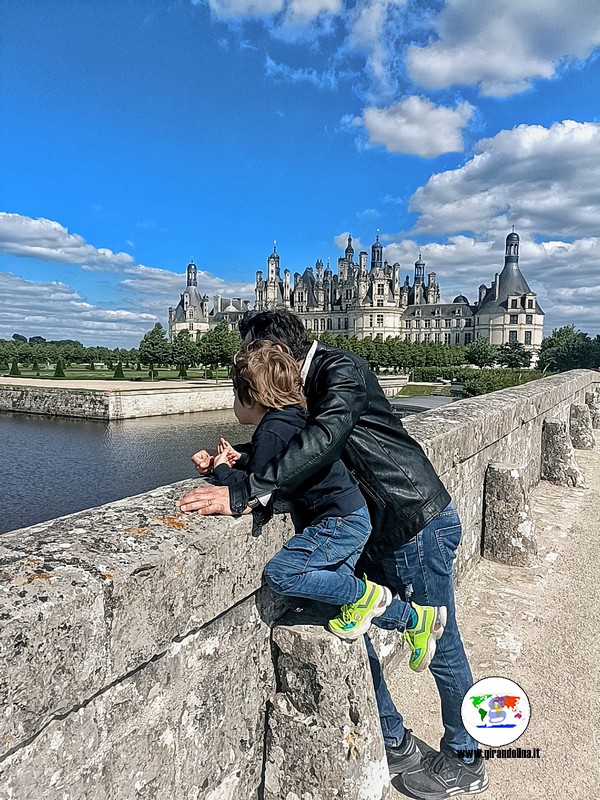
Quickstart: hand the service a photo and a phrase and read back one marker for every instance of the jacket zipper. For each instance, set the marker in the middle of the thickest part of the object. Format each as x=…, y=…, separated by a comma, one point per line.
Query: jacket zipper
x=367, y=489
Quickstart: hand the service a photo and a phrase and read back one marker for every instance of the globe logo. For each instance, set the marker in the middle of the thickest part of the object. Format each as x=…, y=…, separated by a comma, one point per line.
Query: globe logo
x=495, y=711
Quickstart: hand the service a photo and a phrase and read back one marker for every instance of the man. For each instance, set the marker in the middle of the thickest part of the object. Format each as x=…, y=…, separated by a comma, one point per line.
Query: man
x=416, y=531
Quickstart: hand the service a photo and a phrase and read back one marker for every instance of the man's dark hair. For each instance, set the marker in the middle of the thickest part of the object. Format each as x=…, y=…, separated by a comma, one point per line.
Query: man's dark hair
x=280, y=326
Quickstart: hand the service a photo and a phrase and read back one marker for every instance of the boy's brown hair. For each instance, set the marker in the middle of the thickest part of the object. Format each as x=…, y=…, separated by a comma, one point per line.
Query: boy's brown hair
x=266, y=373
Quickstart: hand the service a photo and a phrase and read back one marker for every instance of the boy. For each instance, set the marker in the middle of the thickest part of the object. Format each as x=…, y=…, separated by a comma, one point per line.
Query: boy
x=329, y=514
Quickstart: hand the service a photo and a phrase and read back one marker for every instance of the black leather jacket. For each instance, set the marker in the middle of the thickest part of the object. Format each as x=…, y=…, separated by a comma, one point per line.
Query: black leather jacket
x=350, y=418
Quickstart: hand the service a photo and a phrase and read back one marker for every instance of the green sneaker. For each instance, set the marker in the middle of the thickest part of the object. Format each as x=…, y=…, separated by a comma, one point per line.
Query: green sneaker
x=354, y=619
x=422, y=639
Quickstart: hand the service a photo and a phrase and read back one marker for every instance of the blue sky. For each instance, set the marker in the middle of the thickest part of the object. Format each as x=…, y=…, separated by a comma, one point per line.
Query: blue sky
x=136, y=135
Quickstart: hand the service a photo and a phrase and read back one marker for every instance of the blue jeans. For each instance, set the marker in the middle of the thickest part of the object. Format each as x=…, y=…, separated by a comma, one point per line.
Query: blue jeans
x=318, y=562
x=423, y=570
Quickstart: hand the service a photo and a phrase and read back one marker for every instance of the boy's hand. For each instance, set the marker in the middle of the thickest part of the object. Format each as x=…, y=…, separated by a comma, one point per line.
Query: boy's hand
x=225, y=454
x=203, y=462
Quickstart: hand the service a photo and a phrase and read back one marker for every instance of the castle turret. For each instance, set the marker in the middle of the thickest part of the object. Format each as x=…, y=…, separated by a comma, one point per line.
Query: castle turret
x=376, y=254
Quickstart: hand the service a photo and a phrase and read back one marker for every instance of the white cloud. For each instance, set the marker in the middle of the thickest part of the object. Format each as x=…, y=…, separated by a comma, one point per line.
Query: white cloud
x=502, y=45
x=341, y=241
x=543, y=180
x=417, y=126
x=565, y=275
x=55, y=311
x=50, y=241
x=227, y=9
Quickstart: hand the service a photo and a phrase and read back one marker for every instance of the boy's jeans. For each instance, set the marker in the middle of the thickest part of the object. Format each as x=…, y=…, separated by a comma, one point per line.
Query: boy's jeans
x=422, y=570
x=318, y=562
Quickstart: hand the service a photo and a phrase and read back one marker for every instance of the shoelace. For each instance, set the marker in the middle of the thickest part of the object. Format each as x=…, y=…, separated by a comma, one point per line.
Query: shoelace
x=438, y=764
x=346, y=614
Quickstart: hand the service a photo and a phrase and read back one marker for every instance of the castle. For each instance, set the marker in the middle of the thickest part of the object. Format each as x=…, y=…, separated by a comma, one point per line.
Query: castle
x=370, y=300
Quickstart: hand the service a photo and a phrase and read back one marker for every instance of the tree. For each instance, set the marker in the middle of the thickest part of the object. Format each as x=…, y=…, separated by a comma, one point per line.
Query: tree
x=118, y=374
x=154, y=348
x=14, y=369
x=481, y=353
x=17, y=337
x=566, y=349
x=184, y=352
x=59, y=371
x=514, y=355
x=218, y=346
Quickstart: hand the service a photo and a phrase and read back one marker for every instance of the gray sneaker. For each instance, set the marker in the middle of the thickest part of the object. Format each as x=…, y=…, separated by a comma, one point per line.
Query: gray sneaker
x=441, y=776
x=406, y=756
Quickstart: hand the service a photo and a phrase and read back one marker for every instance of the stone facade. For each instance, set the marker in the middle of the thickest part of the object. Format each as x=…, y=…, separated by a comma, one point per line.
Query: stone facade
x=137, y=656
x=191, y=313
x=371, y=300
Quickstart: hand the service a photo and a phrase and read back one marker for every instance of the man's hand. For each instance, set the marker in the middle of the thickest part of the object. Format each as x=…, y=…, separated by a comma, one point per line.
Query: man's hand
x=203, y=462
x=208, y=500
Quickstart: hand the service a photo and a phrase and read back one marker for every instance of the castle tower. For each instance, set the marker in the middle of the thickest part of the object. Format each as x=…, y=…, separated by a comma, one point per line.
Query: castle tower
x=376, y=255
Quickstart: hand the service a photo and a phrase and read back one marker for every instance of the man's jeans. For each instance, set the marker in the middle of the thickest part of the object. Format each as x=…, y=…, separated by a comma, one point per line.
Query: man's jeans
x=422, y=570
x=318, y=562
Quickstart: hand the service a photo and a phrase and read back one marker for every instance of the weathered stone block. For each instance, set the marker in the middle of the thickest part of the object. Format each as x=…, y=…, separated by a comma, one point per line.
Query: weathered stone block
x=580, y=427
x=558, y=459
x=324, y=740
x=509, y=533
x=188, y=724
x=592, y=400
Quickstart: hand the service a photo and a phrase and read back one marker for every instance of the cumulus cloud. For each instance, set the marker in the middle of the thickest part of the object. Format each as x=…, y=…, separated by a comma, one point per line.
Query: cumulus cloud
x=543, y=180
x=51, y=241
x=502, y=45
x=55, y=311
x=565, y=275
x=164, y=287
x=417, y=126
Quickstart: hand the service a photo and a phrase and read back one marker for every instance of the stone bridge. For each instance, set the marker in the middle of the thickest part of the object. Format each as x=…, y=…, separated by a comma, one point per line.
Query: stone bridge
x=141, y=656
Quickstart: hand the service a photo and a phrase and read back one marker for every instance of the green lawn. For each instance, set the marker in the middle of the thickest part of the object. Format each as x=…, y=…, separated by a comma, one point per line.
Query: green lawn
x=83, y=374
x=423, y=388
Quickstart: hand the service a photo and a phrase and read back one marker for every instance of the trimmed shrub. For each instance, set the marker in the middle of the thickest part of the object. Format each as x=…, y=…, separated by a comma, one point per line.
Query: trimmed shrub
x=59, y=371
x=118, y=374
x=14, y=369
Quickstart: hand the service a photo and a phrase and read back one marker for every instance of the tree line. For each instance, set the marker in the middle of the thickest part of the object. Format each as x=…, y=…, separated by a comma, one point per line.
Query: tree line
x=566, y=348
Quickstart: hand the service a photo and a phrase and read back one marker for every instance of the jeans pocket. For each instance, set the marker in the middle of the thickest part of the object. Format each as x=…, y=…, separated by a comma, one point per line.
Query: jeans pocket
x=447, y=540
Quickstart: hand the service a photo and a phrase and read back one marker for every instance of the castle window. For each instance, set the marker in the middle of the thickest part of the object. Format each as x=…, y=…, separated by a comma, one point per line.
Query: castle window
x=408, y=337
x=436, y=323
x=380, y=320
x=530, y=304
x=527, y=337
x=417, y=312
x=191, y=313
x=316, y=325
x=467, y=338
x=447, y=338
x=513, y=303
x=467, y=323
x=346, y=323
x=329, y=324
x=447, y=323
x=427, y=323
x=339, y=324
x=407, y=323
x=380, y=288
x=191, y=326
x=427, y=337
x=528, y=319
x=514, y=319
x=379, y=337
x=438, y=338
x=457, y=338
x=322, y=324
x=512, y=336
x=379, y=303
x=370, y=320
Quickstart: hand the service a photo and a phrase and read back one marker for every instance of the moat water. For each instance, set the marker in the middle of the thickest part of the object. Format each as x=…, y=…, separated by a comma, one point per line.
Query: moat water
x=52, y=466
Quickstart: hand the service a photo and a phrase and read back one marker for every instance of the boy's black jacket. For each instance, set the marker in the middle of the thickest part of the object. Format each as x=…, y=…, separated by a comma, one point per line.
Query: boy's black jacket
x=350, y=418
x=329, y=492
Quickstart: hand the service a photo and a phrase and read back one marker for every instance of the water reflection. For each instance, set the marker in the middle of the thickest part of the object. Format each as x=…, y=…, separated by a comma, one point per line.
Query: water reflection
x=51, y=466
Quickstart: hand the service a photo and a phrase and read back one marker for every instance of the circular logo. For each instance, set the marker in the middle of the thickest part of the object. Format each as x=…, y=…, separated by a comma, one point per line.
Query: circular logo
x=495, y=711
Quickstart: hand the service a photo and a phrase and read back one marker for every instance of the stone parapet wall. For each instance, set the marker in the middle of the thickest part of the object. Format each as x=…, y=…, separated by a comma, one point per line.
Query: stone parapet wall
x=129, y=403
x=136, y=652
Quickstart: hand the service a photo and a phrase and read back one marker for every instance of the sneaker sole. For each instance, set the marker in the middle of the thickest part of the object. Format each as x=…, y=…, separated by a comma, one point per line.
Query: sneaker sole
x=435, y=634
x=473, y=789
x=365, y=623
